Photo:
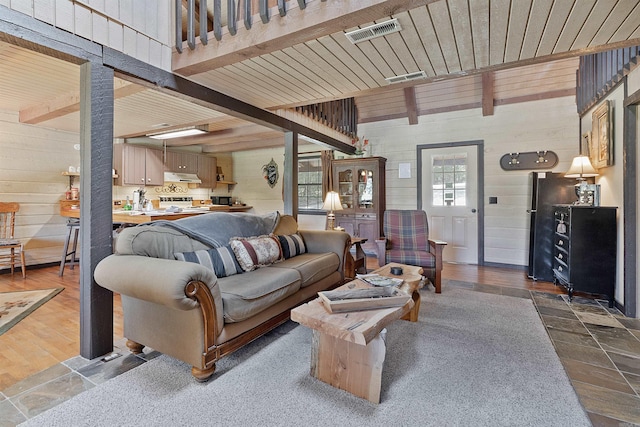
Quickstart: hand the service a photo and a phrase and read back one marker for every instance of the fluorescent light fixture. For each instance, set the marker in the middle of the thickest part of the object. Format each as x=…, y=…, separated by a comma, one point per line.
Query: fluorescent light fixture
x=179, y=133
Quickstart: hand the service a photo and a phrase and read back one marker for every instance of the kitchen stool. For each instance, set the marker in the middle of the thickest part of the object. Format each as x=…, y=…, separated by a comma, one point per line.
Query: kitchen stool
x=73, y=224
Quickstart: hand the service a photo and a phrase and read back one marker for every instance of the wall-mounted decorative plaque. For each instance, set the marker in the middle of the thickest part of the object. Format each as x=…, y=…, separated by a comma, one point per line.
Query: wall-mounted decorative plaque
x=529, y=160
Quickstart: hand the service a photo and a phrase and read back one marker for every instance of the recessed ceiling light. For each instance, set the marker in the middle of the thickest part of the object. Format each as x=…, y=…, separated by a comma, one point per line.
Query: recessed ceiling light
x=373, y=31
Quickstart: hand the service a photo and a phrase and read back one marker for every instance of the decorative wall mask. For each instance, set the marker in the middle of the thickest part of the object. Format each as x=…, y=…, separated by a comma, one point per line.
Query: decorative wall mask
x=270, y=173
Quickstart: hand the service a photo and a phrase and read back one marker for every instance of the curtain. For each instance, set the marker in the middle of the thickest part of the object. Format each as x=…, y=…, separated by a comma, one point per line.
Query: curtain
x=326, y=156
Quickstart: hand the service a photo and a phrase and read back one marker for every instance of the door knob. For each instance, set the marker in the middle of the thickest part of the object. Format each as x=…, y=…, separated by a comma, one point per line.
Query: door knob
x=473, y=210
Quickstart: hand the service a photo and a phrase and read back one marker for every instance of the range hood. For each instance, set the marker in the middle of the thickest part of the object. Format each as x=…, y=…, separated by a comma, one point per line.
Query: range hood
x=182, y=177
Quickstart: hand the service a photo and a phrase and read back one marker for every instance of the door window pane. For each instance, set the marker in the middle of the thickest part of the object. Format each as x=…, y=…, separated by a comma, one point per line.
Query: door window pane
x=449, y=179
x=309, y=183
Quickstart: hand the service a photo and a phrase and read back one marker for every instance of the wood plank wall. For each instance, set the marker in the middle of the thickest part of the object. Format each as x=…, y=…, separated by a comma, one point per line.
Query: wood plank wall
x=139, y=28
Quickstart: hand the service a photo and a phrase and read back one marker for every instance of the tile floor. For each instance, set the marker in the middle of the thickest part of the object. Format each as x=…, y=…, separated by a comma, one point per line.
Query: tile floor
x=598, y=346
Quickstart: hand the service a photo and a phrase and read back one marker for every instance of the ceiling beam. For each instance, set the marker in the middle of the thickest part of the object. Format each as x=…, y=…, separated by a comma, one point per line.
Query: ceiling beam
x=69, y=103
x=243, y=146
x=410, y=102
x=158, y=79
x=318, y=19
x=487, y=93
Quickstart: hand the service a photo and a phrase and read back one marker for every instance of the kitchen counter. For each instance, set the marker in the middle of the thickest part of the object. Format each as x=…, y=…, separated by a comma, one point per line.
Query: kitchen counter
x=71, y=209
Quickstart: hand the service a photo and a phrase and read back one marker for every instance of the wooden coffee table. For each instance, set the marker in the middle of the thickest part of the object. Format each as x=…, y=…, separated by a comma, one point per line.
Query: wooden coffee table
x=348, y=349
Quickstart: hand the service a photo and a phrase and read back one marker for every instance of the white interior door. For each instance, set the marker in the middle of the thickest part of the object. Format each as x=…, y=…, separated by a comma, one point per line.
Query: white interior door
x=449, y=196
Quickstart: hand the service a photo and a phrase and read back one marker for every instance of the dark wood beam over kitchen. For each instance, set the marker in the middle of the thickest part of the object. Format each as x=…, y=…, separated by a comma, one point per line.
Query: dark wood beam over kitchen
x=147, y=75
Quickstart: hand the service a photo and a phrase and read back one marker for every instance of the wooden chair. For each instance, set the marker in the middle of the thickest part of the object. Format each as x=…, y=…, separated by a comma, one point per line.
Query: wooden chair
x=406, y=241
x=10, y=248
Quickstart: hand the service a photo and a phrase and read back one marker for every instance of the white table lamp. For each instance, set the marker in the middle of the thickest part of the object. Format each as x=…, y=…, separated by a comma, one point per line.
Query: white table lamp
x=332, y=203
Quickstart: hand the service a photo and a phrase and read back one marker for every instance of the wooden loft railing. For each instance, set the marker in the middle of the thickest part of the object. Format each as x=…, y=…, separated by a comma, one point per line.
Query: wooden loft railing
x=341, y=115
x=600, y=72
x=194, y=19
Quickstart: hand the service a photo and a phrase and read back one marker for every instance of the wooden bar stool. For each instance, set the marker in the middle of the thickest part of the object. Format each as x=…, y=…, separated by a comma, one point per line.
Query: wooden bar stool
x=73, y=224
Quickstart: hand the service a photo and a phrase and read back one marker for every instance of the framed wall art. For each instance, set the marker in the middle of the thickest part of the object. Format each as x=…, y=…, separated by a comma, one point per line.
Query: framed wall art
x=601, y=152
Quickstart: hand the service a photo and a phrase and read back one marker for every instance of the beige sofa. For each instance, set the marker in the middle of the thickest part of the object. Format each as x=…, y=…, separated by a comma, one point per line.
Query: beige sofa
x=183, y=310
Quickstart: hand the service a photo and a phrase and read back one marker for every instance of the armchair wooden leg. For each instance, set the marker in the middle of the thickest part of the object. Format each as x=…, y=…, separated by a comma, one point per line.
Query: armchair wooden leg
x=437, y=282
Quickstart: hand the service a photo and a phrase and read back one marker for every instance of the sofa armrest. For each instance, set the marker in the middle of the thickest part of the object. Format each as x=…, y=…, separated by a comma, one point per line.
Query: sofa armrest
x=381, y=248
x=323, y=241
x=157, y=280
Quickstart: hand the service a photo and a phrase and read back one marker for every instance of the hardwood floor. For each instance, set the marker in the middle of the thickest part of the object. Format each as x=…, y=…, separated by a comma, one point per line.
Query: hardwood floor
x=49, y=335
x=598, y=346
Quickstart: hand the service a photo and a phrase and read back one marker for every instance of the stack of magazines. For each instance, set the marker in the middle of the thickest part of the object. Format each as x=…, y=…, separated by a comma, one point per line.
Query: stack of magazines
x=377, y=280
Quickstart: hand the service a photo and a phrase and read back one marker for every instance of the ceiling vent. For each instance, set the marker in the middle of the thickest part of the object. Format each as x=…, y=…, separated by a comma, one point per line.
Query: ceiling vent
x=373, y=31
x=407, y=77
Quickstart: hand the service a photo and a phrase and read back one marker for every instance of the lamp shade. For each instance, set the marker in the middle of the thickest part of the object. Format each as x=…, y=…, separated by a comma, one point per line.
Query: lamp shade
x=332, y=202
x=581, y=167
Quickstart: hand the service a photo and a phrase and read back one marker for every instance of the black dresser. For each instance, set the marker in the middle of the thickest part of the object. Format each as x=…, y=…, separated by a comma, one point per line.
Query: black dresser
x=585, y=249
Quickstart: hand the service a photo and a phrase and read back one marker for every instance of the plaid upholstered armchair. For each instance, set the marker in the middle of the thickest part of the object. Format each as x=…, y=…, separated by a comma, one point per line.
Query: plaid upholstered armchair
x=406, y=241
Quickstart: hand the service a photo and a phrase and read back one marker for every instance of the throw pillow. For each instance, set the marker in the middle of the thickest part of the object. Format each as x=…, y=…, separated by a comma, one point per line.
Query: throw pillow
x=221, y=260
x=254, y=252
x=292, y=245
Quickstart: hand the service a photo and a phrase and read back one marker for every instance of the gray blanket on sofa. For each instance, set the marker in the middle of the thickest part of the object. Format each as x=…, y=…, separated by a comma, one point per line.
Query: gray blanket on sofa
x=215, y=229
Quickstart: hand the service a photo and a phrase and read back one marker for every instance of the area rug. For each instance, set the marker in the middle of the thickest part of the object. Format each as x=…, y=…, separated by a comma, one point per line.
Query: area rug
x=472, y=359
x=15, y=306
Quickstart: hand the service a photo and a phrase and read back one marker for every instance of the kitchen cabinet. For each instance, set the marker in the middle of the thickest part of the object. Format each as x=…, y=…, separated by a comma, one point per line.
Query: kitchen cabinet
x=207, y=171
x=360, y=183
x=138, y=165
x=584, y=249
x=181, y=162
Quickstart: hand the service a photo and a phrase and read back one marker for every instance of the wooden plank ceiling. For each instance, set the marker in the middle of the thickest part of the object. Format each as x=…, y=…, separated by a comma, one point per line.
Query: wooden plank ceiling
x=305, y=58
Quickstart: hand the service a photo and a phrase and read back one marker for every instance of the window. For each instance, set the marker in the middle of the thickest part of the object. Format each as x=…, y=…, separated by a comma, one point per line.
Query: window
x=310, y=183
x=449, y=179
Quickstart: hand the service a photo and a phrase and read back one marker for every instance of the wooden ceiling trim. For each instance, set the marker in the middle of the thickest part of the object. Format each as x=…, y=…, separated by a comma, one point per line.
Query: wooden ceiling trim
x=319, y=18
x=382, y=118
x=243, y=146
x=461, y=22
x=314, y=69
x=378, y=63
x=410, y=37
x=536, y=25
x=441, y=20
x=593, y=23
x=336, y=49
x=271, y=82
x=518, y=17
x=499, y=19
x=479, y=11
x=629, y=25
x=336, y=64
x=283, y=62
x=560, y=93
x=557, y=19
x=573, y=25
x=620, y=11
x=308, y=91
x=427, y=33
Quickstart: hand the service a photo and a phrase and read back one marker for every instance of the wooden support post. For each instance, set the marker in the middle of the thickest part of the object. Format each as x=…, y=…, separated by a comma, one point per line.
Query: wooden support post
x=487, y=94
x=290, y=174
x=96, y=160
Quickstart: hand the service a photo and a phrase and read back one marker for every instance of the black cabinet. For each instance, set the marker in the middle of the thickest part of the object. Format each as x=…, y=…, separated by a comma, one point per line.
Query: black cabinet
x=585, y=249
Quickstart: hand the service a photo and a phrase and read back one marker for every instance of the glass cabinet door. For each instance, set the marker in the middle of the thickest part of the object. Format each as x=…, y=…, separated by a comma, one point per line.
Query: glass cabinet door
x=365, y=189
x=345, y=188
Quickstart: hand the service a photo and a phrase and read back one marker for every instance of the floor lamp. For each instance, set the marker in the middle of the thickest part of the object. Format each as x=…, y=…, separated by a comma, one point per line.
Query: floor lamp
x=332, y=203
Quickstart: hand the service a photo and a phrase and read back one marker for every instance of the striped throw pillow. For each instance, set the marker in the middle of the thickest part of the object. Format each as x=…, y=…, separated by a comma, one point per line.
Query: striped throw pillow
x=292, y=245
x=255, y=252
x=221, y=260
